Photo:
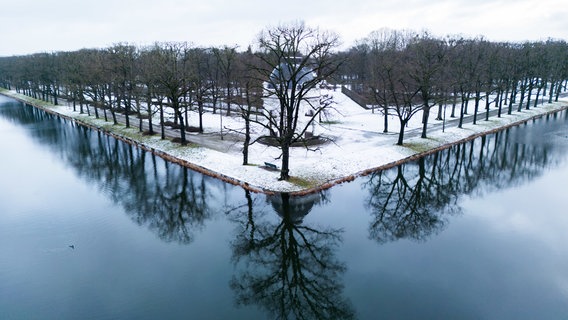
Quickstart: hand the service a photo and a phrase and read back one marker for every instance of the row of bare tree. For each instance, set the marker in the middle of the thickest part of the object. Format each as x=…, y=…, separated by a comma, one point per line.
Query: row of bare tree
x=400, y=73
x=404, y=73
x=128, y=79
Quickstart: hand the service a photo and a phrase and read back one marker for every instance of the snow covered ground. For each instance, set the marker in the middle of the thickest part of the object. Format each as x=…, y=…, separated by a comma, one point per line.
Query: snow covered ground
x=358, y=144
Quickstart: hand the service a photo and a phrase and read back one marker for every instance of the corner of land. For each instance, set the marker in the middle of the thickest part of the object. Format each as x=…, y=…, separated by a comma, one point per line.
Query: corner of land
x=358, y=147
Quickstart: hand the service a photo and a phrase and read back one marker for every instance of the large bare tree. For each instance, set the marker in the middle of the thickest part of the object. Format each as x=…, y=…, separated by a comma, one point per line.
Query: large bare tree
x=295, y=59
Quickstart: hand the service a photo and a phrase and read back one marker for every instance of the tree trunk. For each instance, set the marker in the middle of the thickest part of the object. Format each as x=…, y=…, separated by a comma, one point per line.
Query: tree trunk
x=139, y=113
x=439, y=115
x=523, y=91
x=162, y=128
x=512, y=99
x=476, y=107
x=513, y=95
x=487, y=105
x=200, y=111
x=96, y=102
x=55, y=93
x=386, y=121
x=454, y=101
x=538, y=90
x=247, y=139
x=149, y=110
x=426, y=109
x=531, y=86
x=81, y=111
x=75, y=101
x=285, y=171
x=460, y=123
x=104, y=108
x=551, y=92
x=127, y=102
x=500, y=101
x=110, y=107
x=113, y=114
x=228, y=99
x=182, y=126
x=401, y=133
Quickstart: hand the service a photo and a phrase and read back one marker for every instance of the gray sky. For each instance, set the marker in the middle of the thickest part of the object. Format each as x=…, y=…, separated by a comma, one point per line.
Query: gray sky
x=30, y=26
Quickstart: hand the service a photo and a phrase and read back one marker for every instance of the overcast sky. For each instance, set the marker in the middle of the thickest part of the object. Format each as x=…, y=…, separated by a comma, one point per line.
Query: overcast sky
x=30, y=26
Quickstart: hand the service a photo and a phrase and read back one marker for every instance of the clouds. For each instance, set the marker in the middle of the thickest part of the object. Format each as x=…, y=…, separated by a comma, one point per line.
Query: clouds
x=30, y=26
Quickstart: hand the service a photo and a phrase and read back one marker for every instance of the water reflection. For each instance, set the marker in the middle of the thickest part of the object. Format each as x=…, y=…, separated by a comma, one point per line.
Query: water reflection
x=411, y=201
x=407, y=203
x=414, y=201
x=287, y=267
x=172, y=201
x=283, y=264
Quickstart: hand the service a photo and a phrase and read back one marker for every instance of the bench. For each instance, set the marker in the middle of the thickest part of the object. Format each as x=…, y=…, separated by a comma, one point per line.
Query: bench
x=271, y=165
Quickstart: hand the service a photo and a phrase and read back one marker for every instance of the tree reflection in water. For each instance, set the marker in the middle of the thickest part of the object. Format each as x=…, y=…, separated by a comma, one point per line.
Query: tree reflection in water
x=405, y=203
x=413, y=201
x=288, y=267
x=172, y=201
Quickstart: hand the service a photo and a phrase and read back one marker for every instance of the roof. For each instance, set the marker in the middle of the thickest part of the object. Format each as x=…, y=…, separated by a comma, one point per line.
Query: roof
x=284, y=73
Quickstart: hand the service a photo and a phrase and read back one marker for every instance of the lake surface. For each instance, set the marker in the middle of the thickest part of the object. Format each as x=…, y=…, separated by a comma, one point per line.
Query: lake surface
x=93, y=228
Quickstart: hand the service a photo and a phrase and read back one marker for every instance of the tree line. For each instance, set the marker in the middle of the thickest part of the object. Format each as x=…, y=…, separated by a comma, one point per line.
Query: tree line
x=402, y=73
x=393, y=72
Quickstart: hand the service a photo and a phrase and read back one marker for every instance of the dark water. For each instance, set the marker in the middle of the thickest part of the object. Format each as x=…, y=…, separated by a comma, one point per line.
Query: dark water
x=92, y=228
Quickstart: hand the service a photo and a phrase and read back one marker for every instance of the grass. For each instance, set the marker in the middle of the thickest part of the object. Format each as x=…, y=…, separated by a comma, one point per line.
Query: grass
x=303, y=183
x=35, y=101
x=420, y=147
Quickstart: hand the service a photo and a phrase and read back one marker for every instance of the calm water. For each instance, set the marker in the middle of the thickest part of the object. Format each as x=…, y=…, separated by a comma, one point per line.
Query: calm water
x=91, y=228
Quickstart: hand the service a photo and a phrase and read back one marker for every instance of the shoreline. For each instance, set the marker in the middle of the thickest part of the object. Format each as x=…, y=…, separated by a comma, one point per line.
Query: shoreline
x=436, y=141
x=42, y=105
x=425, y=153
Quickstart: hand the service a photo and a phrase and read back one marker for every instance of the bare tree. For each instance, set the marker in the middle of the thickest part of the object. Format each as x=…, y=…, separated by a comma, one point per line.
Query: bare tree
x=427, y=57
x=248, y=95
x=202, y=81
x=148, y=76
x=172, y=62
x=225, y=58
x=295, y=59
x=384, y=46
x=124, y=57
x=400, y=93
